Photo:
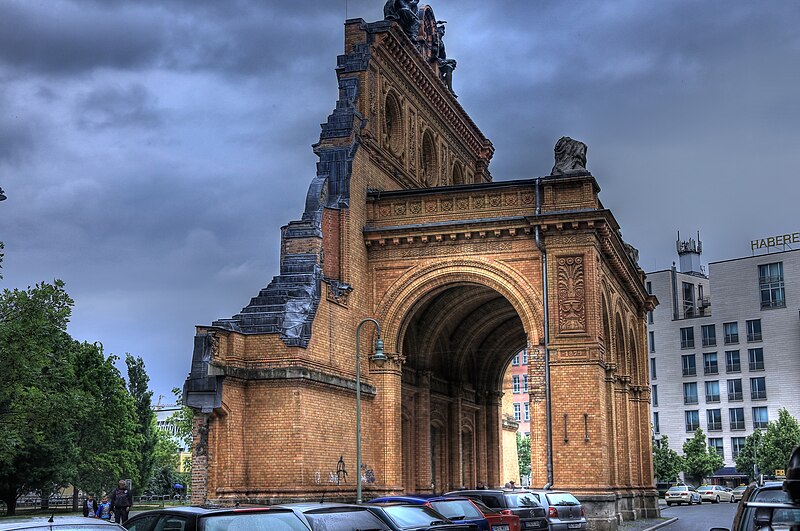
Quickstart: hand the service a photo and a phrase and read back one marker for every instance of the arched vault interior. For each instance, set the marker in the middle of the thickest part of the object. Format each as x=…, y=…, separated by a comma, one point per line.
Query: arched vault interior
x=463, y=333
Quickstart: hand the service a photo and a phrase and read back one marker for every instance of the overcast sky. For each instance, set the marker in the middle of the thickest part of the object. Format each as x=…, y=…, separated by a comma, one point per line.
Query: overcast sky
x=151, y=150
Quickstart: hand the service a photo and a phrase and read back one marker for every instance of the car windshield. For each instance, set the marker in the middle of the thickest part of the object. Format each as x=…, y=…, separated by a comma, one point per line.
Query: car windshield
x=412, y=515
x=562, y=499
x=272, y=520
x=521, y=499
x=345, y=520
x=457, y=509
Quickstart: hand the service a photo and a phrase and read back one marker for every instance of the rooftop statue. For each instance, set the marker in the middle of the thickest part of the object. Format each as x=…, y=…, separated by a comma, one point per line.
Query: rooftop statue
x=446, y=66
x=570, y=156
x=406, y=13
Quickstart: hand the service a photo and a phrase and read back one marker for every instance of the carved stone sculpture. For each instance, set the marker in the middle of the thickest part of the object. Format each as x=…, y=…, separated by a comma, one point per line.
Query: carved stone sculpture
x=406, y=13
x=570, y=156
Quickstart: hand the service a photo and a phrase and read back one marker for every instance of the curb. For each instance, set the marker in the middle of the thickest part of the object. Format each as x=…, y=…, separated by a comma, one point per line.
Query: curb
x=662, y=524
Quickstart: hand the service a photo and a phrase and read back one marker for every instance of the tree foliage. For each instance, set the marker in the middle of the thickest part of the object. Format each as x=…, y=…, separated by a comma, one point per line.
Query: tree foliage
x=782, y=436
x=699, y=459
x=667, y=464
x=524, y=454
x=145, y=420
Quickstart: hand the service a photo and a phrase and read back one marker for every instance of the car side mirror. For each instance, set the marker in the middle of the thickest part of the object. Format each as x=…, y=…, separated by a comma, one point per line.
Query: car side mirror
x=792, y=482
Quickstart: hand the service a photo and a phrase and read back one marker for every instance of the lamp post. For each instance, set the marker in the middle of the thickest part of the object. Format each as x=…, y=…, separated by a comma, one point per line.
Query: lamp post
x=378, y=357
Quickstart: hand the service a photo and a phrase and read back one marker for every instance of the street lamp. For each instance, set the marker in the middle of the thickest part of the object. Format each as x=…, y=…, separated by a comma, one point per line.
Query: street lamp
x=379, y=357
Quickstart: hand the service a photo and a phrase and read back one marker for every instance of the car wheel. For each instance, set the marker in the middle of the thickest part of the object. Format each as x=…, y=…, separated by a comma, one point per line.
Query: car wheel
x=716, y=500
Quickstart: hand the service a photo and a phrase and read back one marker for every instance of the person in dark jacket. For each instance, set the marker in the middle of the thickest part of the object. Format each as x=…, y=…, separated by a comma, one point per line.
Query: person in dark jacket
x=121, y=501
x=90, y=506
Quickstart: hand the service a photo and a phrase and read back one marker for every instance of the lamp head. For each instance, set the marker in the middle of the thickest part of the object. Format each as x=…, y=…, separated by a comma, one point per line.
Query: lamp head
x=379, y=358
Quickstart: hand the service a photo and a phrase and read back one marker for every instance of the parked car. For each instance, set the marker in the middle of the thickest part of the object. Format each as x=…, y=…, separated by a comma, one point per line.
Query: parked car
x=408, y=517
x=682, y=494
x=330, y=516
x=455, y=509
x=522, y=503
x=57, y=523
x=738, y=492
x=564, y=511
x=715, y=493
x=216, y=519
x=499, y=519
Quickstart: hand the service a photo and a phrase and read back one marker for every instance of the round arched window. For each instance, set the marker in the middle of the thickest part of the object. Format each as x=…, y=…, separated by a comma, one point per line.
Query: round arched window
x=429, y=170
x=392, y=126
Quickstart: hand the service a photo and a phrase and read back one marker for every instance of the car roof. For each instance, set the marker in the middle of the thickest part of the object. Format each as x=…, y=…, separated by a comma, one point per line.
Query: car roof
x=7, y=524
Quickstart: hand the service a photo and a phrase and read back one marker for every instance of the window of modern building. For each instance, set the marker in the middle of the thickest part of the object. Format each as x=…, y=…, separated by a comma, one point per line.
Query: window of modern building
x=714, y=417
x=731, y=331
x=756, y=358
x=690, y=393
x=650, y=317
x=688, y=365
x=687, y=337
x=515, y=383
x=524, y=357
x=653, y=374
x=651, y=339
x=760, y=418
x=737, y=418
x=710, y=365
x=692, y=420
x=735, y=390
x=770, y=282
x=656, y=426
x=712, y=391
x=753, y=330
x=737, y=445
x=733, y=363
x=758, y=388
x=526, y=406
x=515, y=360
x=655, y=395
x=688, y=300
x=517, y=409
x=709, y=335
x=524, y=383
x=716, y=444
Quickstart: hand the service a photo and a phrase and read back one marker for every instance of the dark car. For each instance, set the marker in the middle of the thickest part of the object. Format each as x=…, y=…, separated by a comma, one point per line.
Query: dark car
x=331, y=516
x=217, y=519
x=455, y=509
x=410, y=517
x=773, y=505
x=522, y=503
x=564, y=511
x=57, y=523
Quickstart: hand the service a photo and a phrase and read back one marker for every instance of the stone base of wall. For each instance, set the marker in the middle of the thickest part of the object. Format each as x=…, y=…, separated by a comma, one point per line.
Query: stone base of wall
x=606, y=512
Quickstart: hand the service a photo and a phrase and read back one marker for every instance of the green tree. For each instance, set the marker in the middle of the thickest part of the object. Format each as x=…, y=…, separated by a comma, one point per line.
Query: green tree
x=749, y=455
x=782, y=436
x=145, y=419
x=699, y=459
x=524, y=454
x=37, y=449
x=106, y=425
x=667, y=464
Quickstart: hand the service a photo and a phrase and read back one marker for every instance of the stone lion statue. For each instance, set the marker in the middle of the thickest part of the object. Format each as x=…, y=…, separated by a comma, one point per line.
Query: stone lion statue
x=570, y=156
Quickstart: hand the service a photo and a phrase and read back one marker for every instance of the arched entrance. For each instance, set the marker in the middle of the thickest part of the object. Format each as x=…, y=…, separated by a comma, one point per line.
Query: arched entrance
x=457, y=334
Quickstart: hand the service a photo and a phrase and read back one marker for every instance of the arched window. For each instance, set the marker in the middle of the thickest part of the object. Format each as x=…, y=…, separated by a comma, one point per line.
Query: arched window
x=429, y=167
x=392, y=126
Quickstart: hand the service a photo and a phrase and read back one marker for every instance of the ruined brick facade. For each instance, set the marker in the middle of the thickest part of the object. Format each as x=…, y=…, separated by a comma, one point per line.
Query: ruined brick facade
x=403, y=224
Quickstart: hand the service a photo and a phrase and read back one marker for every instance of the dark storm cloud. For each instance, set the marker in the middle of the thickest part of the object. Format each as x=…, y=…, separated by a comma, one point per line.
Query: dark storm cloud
x=117, y=106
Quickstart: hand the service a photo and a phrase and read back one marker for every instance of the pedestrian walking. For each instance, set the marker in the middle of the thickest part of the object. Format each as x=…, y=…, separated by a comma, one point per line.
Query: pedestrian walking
x=121, y=501
x=90, y=506
x=104, y=509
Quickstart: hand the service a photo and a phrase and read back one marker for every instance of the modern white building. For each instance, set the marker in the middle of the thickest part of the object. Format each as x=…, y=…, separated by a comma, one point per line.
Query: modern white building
x=724, y=346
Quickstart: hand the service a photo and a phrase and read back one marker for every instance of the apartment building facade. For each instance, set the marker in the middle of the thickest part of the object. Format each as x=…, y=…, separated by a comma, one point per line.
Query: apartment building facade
x=724, y=347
